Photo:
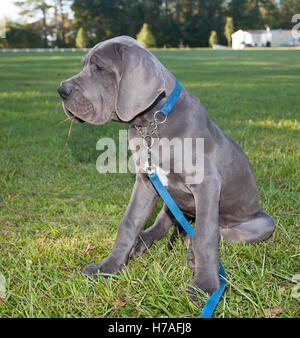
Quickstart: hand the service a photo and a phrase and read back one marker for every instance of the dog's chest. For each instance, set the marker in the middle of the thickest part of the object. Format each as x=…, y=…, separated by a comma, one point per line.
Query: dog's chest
x=179, y=191
x=185, y=201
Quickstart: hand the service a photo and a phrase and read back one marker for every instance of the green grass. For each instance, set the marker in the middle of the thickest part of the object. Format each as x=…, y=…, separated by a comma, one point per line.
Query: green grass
x=58, y=214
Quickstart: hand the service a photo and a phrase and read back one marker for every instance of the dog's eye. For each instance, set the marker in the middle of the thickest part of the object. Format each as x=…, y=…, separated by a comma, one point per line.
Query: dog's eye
x=100, y=68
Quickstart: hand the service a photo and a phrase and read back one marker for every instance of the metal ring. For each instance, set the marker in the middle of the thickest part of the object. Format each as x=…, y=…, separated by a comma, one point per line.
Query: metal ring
x=157, y=121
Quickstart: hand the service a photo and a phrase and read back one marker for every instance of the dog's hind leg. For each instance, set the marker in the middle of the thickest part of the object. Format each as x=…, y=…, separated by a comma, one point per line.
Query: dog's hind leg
x=257, y=229
x=158, y=230
x=179, y=232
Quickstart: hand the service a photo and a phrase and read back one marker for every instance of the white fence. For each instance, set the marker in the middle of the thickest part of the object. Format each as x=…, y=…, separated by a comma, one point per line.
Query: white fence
x=24, y=50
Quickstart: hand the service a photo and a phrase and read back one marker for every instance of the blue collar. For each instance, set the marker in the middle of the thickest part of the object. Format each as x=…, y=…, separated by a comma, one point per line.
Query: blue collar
x=168, y=106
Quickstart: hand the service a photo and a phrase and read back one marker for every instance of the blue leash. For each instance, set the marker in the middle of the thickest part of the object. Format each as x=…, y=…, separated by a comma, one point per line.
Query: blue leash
x=212, y=302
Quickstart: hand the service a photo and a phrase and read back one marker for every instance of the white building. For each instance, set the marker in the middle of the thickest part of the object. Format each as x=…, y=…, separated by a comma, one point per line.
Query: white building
x=264, y=38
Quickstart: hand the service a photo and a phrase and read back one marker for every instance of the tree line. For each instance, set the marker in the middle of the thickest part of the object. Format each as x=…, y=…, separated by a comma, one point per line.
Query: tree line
x=168, y=23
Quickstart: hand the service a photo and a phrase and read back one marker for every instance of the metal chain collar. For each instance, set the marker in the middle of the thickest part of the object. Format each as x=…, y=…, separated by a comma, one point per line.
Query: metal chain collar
x=153, y=125
x=149, y=138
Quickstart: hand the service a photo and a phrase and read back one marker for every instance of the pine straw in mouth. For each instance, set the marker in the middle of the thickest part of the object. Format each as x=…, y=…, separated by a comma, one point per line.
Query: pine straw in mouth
x=64, y=120
x=70, y=128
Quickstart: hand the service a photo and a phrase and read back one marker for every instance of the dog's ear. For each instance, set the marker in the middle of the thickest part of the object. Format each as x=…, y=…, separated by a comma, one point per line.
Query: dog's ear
x=140, y=82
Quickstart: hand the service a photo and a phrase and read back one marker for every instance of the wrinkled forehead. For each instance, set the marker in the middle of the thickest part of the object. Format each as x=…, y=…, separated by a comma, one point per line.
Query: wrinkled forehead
x=126, y=40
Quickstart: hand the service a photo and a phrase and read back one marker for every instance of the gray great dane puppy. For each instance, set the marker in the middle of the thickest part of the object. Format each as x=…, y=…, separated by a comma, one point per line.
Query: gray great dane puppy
x=122, y=81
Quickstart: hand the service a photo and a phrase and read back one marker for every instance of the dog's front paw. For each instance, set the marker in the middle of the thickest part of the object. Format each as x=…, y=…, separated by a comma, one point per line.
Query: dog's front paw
x=208, y=284
x=109, y=266
x=193, y=294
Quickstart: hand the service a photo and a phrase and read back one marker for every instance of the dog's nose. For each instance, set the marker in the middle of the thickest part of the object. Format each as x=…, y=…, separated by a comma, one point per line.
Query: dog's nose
x=64, y=91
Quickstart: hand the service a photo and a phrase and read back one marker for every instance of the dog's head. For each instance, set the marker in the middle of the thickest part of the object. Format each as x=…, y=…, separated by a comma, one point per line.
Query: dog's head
x=119, y=76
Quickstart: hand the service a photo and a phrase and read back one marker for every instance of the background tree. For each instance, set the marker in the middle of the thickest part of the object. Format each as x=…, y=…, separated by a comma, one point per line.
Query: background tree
x=287, y=9
x=229, y=30
x=22, y=36
x=172, y=22
x=270, y=13
x=81, y=38
x=145, y=37
x=213, y=38
x=30, y=8
x=239, y=11
x=104, y=19
x=52, y=19
x=62, y=23
x=198, y=18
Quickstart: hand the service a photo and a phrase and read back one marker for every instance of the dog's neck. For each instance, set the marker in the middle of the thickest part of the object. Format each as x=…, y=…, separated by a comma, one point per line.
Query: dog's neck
x=146, y=117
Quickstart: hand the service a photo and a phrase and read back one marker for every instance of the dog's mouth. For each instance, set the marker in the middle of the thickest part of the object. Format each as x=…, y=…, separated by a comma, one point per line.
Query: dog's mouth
x=72, y=116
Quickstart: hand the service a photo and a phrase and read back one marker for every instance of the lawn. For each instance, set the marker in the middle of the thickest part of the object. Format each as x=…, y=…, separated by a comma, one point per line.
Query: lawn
x=58, y=214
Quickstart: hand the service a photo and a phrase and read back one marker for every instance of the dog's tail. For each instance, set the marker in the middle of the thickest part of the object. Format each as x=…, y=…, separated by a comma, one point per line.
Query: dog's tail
x=178, y=232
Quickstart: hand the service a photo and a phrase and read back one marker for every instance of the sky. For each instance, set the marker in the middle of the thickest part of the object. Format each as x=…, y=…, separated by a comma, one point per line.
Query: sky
x=8, y=9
